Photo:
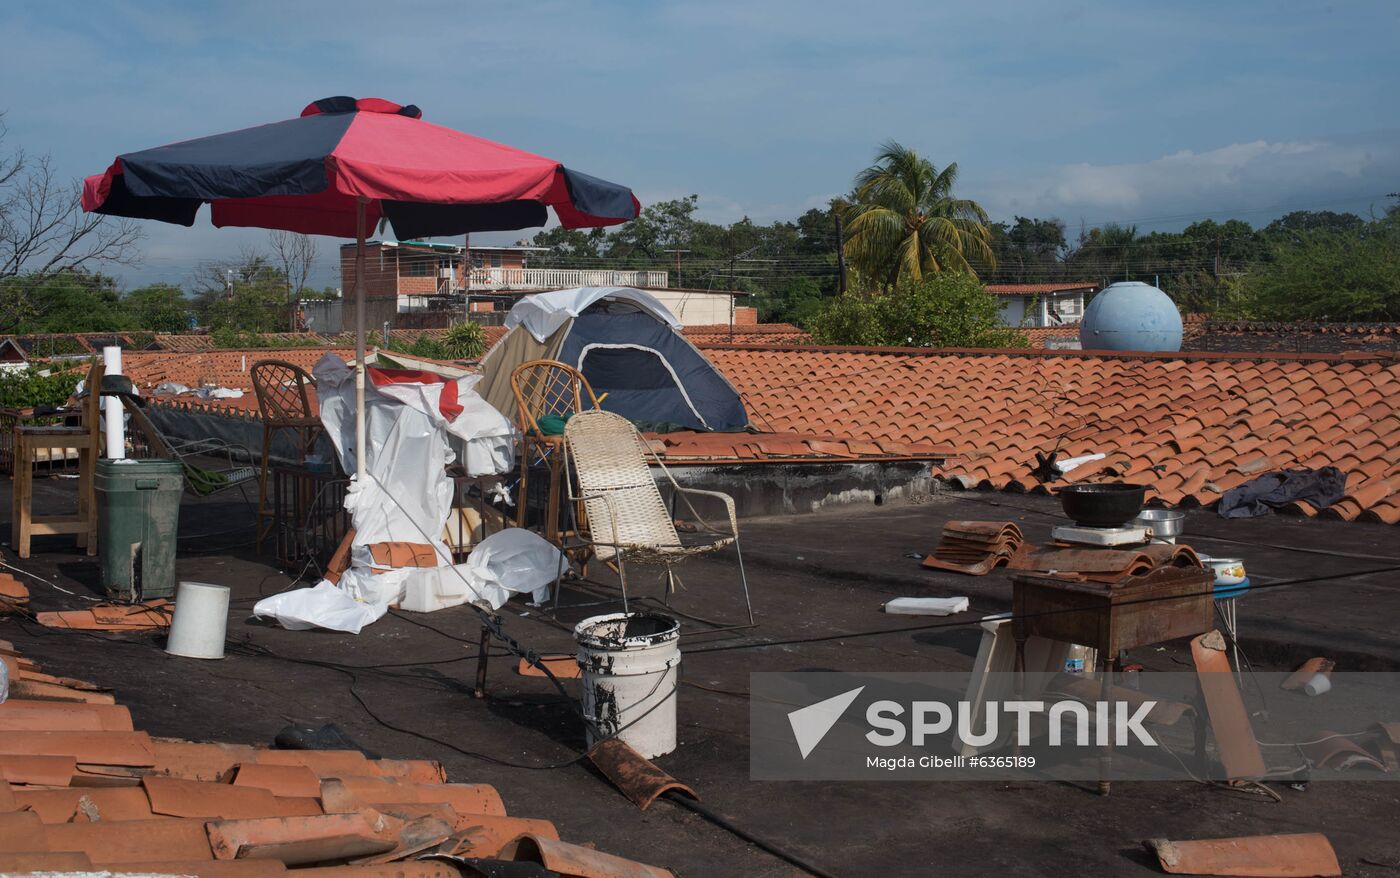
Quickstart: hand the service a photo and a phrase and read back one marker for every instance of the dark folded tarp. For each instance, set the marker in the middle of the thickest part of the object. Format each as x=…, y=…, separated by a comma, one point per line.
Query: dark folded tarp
x=1320, y=487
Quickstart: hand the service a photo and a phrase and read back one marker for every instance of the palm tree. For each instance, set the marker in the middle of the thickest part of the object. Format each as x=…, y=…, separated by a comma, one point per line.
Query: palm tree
x=904, y=222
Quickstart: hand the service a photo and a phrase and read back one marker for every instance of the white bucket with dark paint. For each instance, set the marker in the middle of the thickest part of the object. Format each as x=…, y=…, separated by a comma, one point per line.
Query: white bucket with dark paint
x=201, y=621
x=631, y=669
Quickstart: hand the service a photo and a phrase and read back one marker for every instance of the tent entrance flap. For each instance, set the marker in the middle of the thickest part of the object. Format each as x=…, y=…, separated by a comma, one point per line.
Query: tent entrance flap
x=639, y=379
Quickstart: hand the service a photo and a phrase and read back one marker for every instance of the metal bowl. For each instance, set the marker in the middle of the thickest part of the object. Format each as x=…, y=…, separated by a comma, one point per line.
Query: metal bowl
x=1165, y=524
x=1107, y=504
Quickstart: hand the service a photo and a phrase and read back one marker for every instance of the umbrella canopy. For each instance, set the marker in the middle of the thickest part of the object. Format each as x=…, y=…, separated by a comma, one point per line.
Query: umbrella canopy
x=309, y=174
x=339, y=168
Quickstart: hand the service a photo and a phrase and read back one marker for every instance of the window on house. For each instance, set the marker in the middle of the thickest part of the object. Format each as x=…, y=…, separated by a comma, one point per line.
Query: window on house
x=418, y=267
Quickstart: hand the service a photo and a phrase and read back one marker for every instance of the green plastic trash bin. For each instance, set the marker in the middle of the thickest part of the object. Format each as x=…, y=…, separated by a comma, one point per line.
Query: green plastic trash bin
x=138, y=516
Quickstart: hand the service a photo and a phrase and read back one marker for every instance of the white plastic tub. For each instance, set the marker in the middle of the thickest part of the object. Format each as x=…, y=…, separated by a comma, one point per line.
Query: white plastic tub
x=201, y=621
x=631, y=669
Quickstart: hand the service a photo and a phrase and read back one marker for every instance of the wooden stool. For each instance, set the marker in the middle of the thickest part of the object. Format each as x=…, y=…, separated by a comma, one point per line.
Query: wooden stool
x=86, y=440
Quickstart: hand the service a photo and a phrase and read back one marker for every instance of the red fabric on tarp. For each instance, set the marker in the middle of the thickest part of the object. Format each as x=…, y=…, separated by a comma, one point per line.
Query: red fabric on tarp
x=447, y=401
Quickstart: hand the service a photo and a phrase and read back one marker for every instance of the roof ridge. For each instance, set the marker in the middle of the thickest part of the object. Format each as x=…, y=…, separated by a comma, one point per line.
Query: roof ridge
x=1190, y=356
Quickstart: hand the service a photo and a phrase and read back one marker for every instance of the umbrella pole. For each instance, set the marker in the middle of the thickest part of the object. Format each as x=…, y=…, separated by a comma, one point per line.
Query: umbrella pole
x=360, y=342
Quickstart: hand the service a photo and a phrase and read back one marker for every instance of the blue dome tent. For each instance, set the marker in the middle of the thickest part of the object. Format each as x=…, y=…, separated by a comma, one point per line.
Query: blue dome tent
x=629, y=347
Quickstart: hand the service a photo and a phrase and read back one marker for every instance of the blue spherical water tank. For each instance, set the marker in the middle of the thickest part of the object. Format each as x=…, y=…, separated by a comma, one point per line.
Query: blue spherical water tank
x=1131, y=316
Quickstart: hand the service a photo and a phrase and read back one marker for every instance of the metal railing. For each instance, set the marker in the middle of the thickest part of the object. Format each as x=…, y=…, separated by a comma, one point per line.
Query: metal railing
x=556, y=278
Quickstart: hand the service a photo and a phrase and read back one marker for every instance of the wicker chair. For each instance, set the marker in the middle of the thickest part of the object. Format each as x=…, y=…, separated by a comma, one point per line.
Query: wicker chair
x=284, y=401
x=545, y=387
x=626, y=515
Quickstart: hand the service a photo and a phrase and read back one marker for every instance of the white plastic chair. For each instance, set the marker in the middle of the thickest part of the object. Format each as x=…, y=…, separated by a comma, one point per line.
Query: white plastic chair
x=626, y=517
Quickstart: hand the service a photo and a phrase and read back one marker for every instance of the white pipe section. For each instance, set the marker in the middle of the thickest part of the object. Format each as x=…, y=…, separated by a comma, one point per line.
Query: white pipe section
x=115, y=418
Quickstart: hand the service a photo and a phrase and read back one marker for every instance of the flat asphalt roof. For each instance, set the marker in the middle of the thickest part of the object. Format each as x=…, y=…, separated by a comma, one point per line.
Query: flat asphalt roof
x=403, y=687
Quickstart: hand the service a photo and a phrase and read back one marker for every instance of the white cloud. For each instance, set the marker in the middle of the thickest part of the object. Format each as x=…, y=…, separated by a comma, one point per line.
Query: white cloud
x=1238, y=178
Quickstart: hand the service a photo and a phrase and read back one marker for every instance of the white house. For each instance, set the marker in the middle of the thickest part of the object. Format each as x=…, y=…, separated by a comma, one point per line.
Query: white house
x=1042, y=304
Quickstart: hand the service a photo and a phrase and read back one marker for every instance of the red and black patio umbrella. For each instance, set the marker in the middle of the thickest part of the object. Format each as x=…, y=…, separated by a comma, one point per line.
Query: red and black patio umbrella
x=342, y=166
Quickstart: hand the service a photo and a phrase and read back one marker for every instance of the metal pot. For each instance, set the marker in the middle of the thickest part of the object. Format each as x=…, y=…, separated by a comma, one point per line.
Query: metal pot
x=1109, y=504
x=1165, y=524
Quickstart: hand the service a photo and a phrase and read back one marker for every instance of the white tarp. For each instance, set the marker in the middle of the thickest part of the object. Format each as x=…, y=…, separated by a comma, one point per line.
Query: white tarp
x=543, y=313
x=407, y=498
x=514, y=560
x=324, y=606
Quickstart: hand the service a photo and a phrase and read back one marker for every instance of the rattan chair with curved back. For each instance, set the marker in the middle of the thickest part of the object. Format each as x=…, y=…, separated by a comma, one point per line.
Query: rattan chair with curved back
x=284, y=402
x=545, y=387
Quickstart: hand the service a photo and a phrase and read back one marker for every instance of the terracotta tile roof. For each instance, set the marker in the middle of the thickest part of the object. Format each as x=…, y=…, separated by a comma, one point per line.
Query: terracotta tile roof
x=751, y=333
x=76, y=798
x=198, y=341
x=43, y=345
x=1032, y=289
x=1190, y=425
x=219, y=368
x=688, y=446
x=1039, y=335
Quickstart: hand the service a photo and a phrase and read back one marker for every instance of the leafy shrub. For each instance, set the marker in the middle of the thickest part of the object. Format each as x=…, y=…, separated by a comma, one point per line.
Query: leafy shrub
x=465, y=340
x=945, y=310
x=27, y=387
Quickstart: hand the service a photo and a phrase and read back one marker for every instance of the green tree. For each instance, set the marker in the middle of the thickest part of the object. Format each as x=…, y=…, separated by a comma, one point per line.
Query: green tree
x=665, y=225
x=66, y=301
x=568, y=246
x=904, y=221
x=158, y=308
x=247, y=294
x=948, y=310
x=1028, y=250
x=1291, y=225
x=1329, y=275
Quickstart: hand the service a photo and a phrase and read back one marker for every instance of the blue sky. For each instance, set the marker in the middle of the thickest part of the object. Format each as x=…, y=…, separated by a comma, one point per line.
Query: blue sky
x=1154, y=114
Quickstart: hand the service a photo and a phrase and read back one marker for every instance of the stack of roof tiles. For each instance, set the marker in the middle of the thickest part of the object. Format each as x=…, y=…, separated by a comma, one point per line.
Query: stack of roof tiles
x=1191, y=426
x=82, y=790
x=975, y=547
x=1097, y=564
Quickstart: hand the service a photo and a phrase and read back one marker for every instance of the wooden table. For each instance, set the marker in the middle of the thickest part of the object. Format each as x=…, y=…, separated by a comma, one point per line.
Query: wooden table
x=1166, y=604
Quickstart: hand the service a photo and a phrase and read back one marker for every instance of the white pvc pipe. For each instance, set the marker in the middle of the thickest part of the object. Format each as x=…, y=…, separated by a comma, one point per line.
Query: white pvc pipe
x=113, y=415
x=201, y=621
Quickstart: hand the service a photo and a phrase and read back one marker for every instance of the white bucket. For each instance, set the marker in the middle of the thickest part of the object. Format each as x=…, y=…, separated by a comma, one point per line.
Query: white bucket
x=631, y=665
x=201, y=620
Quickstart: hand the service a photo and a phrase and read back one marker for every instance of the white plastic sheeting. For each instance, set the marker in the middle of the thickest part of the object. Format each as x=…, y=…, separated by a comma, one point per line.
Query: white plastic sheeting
x=543, y=313
x=324, y=606
x=407, y=498
x=514, y=560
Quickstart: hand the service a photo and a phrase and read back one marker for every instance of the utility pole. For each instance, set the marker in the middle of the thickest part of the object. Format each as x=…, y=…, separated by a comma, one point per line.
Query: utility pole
x=678, y=264
x=840, y=257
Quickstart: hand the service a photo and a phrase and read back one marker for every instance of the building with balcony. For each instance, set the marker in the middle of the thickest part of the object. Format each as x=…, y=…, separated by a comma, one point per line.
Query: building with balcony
x=414, y=273
x=431, y=283
x=1056, y=304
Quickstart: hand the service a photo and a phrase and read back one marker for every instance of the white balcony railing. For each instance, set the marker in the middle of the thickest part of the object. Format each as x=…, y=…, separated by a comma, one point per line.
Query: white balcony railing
x=555, y=278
